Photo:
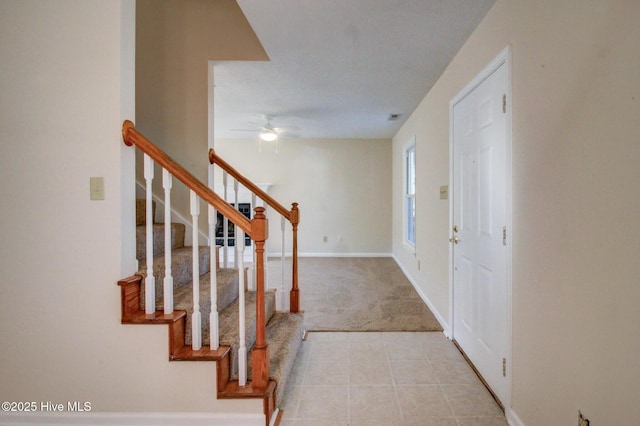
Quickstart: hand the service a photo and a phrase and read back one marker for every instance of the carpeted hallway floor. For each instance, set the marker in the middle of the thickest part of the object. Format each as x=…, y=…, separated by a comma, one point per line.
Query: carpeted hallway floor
x=358, y=294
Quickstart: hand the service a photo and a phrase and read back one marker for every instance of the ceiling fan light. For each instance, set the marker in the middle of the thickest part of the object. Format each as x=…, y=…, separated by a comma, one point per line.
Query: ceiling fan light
x=268, y=136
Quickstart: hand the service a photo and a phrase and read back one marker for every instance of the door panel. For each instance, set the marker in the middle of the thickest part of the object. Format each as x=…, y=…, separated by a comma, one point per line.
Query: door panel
x=485, y=296
x=466, y=305
x=479, y=212
x=485, y=217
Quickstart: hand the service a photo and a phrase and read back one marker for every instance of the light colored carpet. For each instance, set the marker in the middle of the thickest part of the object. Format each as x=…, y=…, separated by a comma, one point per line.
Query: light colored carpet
x=358, y=294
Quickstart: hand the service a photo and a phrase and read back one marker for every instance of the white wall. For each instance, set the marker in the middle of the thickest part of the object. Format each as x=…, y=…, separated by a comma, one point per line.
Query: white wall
x=175, y=41
x=67, y=83
x=343, y=187
x=576, y=103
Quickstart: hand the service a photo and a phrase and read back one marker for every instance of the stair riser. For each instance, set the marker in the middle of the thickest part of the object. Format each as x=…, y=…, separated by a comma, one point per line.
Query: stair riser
x=228, y=320
x=177, y=239
x=181, y=267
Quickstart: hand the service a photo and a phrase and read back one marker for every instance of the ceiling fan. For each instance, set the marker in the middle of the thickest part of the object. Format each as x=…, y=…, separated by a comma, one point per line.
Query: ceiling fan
x=269, y=133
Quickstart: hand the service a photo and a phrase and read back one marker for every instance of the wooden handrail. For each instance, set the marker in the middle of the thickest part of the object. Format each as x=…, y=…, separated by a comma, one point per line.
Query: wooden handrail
x=260, y=354
x=252, y=187
x=257, y=229
x=131, y=136
x=293, y=216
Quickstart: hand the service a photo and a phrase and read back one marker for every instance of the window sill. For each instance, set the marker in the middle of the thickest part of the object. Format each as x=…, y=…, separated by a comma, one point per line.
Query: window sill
x=411, y=248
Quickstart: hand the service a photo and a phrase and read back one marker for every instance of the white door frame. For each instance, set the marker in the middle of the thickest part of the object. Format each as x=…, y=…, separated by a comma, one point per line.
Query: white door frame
x=503, y=58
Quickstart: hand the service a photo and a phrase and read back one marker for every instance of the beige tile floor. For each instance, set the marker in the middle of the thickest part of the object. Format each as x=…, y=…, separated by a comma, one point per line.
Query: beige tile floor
x=372, y=378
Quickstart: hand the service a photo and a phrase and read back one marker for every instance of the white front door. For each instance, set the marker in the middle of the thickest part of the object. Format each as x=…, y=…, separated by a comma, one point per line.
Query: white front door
x=479, y=221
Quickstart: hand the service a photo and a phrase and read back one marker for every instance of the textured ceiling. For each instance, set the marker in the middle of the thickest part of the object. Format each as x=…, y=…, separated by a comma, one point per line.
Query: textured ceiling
x=338, y=68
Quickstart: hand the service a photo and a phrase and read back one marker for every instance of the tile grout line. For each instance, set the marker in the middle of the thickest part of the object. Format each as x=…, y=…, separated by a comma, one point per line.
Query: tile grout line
x=394, y=383
x=446, y=398
x=391, y=354
x=307, y=362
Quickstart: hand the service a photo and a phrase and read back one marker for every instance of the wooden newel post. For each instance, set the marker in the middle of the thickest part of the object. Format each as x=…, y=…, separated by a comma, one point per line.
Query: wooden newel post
x=260, y=362
x=294, y=302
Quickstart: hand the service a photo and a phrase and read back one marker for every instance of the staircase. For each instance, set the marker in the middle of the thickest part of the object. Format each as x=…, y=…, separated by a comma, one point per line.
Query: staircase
x=283, y=330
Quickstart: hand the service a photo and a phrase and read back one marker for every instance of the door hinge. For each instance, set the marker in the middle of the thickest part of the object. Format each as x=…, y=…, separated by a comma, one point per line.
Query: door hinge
x=504, y=103
x=504, y=367
x=504, y=235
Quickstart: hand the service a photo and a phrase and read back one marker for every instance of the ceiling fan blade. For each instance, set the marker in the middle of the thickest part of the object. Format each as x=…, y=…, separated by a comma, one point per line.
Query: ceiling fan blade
x=285, y=129
x=288, y=135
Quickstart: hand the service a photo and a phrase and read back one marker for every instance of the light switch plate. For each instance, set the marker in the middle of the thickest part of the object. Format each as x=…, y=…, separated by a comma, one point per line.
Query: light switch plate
x=444, y=192
x=96, y=188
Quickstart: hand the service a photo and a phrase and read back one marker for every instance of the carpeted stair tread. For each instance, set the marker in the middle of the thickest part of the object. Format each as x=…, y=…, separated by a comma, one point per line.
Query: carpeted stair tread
x=229, y=333
x=181, y=266
x=284, y=336
x=227, y=284
x=177, y=239
x=227, y=318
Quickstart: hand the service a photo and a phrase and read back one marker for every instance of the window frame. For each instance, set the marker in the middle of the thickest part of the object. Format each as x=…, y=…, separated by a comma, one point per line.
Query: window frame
x=409, y=193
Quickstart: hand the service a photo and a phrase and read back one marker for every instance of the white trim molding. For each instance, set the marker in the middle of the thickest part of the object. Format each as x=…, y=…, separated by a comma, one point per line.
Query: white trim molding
x=503, y=58
x=409, y=193
x=338, y=255
x=133, y=419
x=512, y=417
x=425, y=299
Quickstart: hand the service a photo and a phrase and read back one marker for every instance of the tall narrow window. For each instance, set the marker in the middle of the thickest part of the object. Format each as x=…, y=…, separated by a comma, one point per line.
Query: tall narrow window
x=410, y=193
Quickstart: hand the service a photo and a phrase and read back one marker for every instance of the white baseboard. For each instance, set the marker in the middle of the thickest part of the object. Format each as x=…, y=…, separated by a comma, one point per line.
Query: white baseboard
x=248, y=255
x=276, y=254
x=425, y=299
x=512, y=418
x=134, y=419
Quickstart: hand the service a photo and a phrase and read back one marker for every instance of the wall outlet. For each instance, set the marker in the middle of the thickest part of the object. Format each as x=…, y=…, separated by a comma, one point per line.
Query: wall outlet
x=582, y=420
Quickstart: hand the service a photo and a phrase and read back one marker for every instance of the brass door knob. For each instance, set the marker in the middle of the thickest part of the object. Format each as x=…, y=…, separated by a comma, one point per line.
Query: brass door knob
x=454, y=239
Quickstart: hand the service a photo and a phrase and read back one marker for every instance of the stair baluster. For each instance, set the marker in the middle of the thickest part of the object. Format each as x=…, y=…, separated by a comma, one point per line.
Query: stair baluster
x=283, y=299
x=235, y=203
x=196, y=316
x=167, y=181
x=225, y=225
x=252, y=280
x=293, y=216
x=214, y=328
x=242, y=351
x=150, y=280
